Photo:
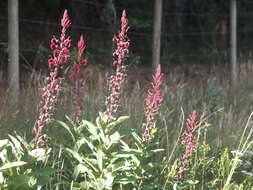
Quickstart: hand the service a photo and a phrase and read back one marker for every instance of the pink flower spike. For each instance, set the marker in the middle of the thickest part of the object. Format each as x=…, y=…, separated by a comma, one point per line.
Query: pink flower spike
x=122, y=42
x=75, y=77
x=152, y=103
x=81, y=47
x=117, y=80
x=65, y=21
x=52, y=88
x=189, y=139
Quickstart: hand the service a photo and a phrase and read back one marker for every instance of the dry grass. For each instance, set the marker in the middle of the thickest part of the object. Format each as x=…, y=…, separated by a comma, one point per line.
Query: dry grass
x=191, y=91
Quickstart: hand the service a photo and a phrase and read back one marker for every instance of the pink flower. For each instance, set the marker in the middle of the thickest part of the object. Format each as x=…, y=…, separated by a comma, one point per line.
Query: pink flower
x=152, y=103
x=51, y=91
x=117, y=80
x=60, y=47
x=190, y=140
x=75, y=76
x=122, y=41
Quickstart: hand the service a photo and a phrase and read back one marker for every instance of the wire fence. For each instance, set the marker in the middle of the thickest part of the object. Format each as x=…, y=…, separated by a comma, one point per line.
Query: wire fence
x=136, y=34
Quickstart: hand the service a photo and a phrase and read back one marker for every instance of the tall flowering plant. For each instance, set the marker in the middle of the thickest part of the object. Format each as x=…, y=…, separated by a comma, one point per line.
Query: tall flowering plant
x=152, y=103
x=51, y=90
x=190, y=141
x=116, y=81
x=75, y=77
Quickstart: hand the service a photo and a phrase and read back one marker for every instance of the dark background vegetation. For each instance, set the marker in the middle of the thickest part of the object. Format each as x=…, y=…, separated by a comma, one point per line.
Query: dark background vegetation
x=193, y=31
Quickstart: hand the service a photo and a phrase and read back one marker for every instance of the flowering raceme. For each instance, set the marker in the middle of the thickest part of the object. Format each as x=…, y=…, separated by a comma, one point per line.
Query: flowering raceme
x=116, y=81
x=190, y=140
x=152, y=103
x=51, y=91
x=75, y=76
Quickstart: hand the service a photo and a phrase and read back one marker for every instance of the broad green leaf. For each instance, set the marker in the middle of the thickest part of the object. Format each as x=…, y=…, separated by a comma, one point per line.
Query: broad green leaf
x=137, y=138
x=91, y=128
x=121, y=166
x=3, y=155
x=109, y=180
x=127, y=153
x=65, y=126
x=101, y=130
x=101, y=183
x=136, y=161
x=39, y=154
x=3, y=143
x=103, y=117
x=11, y=165
x=113, y=139
x=75, y=154
x=16, y=146
x=1, y=178
x=79, y=143
x=80, y=168
x=92, y=163
x=100, y=156
x=125, y=179
x=115, y=123
x=22, y=140
x=82, y=159
x=125, y=145
x=80, y=128
x=71, y=121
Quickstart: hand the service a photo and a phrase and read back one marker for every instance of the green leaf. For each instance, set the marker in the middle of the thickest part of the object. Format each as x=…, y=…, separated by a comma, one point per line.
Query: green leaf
x=3, y=144
x=137, y=138
x=75, y=154
x=82, y=141
x=65, y=126
x=100, y=156
x=100, y=184
x=127, y=153
x=39, y=154
x=157, y=150
x=113, y=139
x=91, y=128
x=192, y=182
x=11, y=165
x=81, y=159
x=16, y=146
x=104, y=118
x=22, y=140
x=2, y=179
x=121, y=119
x=80, y=168
x=101, y=130
x=71, y=121
x=109, y=180
x=125, y=179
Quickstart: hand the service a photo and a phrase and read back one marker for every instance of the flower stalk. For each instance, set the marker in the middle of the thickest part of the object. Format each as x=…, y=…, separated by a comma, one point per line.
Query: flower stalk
x=191, y=142
x=53, y=83
x=116, y=81
x=75, y=77
x=152, y=103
